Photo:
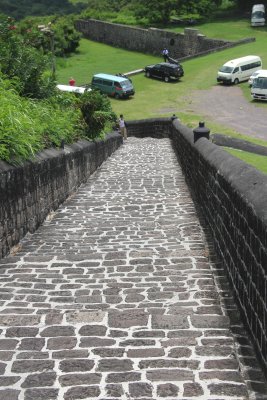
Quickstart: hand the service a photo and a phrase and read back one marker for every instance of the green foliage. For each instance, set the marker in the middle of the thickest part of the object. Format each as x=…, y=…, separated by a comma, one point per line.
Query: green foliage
x=97, y=113
x=18, y=137
x=257, y=161
x=22, y=63
x=20, y=9
x=147, y=12
x=65, y=37
x=28, y=126
x=156, y=12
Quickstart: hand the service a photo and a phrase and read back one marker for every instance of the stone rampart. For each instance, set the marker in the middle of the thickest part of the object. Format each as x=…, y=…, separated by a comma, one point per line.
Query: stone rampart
x=232, y=197
x=152, y=40
x=30, y=192
x=230, y=194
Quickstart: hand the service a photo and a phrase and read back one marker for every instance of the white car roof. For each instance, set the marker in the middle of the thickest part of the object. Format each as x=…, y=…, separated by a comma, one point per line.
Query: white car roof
x=72, y=89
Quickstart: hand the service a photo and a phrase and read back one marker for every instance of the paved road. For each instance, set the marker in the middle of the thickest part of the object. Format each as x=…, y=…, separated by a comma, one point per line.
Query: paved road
x=227, y=106
x=119, y=296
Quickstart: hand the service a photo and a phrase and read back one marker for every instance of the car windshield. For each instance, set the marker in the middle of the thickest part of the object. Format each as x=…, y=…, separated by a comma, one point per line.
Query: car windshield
x=125, y=84
x=226, y=69
x=258, y=14
x=260, y=82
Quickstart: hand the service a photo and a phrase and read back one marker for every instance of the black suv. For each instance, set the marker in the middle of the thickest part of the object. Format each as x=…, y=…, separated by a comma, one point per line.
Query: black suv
x=165, y=71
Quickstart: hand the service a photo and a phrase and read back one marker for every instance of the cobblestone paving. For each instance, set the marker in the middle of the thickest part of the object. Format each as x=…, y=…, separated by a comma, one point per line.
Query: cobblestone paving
x=118, y=295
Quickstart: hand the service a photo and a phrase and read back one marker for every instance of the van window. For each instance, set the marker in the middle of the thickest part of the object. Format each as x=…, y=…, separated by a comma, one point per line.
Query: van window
x=107, y=83
x=260, y=83
x=236, y=70
x=98, y=81
x=226, y=69
x=251, y=65
x=126, y=84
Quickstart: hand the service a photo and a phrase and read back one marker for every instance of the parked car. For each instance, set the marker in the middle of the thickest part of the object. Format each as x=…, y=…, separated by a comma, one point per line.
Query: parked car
x=253, y=76
x=165, y=71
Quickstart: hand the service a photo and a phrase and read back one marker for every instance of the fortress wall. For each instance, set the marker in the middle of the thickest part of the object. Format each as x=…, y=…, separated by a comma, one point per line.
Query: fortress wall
x=190, y=43
x=232, y=197
x=28, y=193
x=230, y=194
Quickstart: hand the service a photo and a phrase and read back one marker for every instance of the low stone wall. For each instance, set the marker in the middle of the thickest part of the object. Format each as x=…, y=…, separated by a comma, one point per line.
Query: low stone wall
x=232, y=196
x=157, y=128
x=30, y=192
x=181, y=45
x=236, y=143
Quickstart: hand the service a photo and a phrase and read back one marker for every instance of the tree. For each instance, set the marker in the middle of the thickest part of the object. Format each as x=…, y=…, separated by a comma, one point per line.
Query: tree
x=156, y=12
x=66, y=37
x=22, y=63
x=20, y=9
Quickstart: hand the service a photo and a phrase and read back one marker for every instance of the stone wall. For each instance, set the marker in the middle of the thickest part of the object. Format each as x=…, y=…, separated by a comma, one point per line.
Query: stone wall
x=152, y=40
x=232, y=197
x=230, y=194
x=30, y=192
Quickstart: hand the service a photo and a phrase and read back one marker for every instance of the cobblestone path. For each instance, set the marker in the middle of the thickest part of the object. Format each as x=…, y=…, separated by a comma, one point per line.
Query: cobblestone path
x=117, y=295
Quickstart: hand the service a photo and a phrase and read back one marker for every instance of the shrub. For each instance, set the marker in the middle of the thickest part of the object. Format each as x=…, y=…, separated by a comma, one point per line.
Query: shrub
x=66, y=38
x=22, y=63
x=28, y=126
x=97, y=113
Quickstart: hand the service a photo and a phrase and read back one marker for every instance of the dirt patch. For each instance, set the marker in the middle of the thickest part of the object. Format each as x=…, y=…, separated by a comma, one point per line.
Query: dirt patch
x=226, y=105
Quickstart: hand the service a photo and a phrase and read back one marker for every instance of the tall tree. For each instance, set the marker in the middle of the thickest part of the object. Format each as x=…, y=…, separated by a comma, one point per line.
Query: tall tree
x=156, y=11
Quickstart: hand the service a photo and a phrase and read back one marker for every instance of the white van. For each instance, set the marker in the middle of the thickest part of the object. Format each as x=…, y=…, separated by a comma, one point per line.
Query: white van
x=73, y=89
x=259, y=86
x=258, y=15
x=239, y=69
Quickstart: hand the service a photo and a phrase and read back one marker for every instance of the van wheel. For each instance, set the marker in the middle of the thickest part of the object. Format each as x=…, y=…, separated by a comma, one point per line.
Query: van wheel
x=166, y=79
x=236, y=81
x=147, y=74
x=117, y=96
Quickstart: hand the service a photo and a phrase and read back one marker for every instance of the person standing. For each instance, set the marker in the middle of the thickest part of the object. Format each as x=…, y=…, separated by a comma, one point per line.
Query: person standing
x=165, y=53
x=122, y=127
x=72, y=82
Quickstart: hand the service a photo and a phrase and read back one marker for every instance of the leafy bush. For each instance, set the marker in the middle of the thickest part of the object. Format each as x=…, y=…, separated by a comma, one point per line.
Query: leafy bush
x=28, y=126
x=66, y=38
x=22, y=63
x=97, y=113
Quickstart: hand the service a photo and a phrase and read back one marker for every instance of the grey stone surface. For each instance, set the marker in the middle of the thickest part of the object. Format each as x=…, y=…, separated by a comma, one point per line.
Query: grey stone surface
x=118, y=295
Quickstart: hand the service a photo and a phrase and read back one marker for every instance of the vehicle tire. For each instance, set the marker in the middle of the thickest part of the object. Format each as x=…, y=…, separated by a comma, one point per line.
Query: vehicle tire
x=236, y=81
x=147, y=74
x=117, y=96
x=166, y=79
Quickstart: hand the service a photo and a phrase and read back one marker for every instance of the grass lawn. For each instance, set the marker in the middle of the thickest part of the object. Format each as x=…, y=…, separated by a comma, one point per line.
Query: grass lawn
x=259, y=162
x=155, y=98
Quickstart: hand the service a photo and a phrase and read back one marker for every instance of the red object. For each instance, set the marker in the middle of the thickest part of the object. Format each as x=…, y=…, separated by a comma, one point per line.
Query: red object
x=72, y=82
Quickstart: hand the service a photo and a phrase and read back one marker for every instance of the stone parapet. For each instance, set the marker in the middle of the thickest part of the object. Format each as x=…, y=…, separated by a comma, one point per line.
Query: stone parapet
x=232, y=198
x=28, y=193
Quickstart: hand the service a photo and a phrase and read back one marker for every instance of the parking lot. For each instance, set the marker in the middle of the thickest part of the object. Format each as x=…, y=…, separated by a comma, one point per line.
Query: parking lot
x=227, y=106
